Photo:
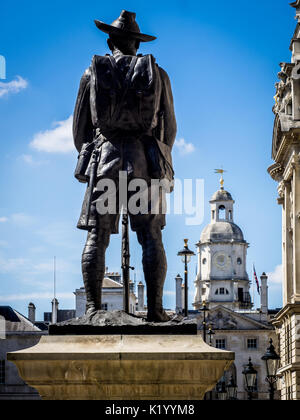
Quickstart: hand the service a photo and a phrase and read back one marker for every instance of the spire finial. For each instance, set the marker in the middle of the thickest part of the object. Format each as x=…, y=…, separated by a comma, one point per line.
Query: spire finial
x=296, y=5
x=221, y=171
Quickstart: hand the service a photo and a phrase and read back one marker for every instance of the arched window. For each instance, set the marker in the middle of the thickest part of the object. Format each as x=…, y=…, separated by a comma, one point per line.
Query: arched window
x=204, y=261
x=230, y=215
x=239, y=261
x=222, y=213
x=222, y=291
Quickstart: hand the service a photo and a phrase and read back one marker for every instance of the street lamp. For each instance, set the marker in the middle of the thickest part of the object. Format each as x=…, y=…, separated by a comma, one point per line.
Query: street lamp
x=204, y=309
x=211, y=333
x=232, y=389
x=250, y=378
x=221, y=391
x=186, y=255
x=272, y=363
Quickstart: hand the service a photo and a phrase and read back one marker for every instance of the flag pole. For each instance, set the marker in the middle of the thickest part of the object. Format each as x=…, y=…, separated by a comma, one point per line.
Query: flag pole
x=54, y=277
x=253, y=292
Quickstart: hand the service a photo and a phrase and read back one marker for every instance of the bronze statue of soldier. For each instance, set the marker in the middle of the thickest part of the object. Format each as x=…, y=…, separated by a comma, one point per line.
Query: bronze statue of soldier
x=124, y=121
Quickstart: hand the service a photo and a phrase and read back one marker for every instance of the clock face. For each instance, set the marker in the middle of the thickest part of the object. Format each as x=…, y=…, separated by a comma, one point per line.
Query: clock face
x=221, y=261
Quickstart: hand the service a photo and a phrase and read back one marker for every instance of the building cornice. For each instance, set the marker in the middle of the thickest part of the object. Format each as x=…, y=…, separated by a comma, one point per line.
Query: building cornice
x=293, y=367
x=290, y=309
x=276, y=171
x=287, y=141
x=245, y=243
x=242, y=316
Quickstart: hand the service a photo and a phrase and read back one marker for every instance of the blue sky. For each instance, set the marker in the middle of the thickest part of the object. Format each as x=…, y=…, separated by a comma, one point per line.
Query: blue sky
x=222, y=58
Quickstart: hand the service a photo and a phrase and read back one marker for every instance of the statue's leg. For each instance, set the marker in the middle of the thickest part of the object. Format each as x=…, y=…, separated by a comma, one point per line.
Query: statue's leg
x=155, y=270
x=93, y=267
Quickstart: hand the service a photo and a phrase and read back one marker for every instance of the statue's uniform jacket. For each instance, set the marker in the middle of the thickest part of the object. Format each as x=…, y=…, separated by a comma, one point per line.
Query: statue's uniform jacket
x=124, y=151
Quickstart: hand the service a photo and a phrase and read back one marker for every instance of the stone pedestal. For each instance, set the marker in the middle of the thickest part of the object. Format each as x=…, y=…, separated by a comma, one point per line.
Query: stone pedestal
x=122, y=367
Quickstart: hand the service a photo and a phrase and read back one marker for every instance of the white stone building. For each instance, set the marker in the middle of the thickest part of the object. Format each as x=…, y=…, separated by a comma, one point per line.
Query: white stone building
x=19, y=333
x=286, y=171
x=223, y=284
x=112, y=295
x=222, y=251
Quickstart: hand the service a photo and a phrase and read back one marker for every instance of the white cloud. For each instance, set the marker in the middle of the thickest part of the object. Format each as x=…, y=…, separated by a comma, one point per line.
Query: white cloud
x=15, y=86
x=12, y=265
x=184, y=147
x=21, y=219
x=31, y=296
x=57, y=140
x=29, y=160
x=169, y=293
x=60, y=234
x=276, y=276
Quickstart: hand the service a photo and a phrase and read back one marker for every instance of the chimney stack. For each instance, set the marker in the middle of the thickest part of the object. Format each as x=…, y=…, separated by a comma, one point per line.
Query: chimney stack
x=31, y=312
x=54, y=311
x=264, y=294
x=141, y=303
x=179, y=306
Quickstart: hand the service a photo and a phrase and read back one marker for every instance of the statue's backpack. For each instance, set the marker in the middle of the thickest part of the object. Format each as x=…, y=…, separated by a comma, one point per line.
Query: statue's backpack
x=128, y=101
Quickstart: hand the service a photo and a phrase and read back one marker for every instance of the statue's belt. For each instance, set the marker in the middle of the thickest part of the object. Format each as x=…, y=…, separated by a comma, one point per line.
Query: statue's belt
x=120, y=135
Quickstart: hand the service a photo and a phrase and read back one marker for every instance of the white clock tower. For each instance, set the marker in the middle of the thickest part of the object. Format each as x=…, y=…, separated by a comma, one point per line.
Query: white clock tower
x=222, y=278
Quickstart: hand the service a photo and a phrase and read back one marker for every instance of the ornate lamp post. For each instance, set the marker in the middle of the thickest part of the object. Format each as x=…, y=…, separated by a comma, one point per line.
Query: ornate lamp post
x=232, y=389
x=221, y=391
x=204, y=309
x=272, y=363
x=211, y=333
x=250, y=378
x=186, y=255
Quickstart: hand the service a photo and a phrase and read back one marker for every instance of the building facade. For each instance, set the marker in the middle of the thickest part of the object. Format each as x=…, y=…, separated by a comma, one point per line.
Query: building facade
x=112, y=295
x=286, y=172
x=222, y=283
x=19, y=333
x=222, y=252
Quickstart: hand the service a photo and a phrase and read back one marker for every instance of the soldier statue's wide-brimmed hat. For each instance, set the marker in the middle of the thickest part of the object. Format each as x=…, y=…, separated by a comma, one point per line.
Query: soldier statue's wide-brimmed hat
x=125, y=25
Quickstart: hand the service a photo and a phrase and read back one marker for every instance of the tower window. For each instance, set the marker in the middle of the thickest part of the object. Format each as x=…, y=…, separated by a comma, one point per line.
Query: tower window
x=230, y=215
x=239, y=261
x=222, y=212
x=213, y=214
x=221, y=343
x=222, y=291
x=204, y=261
x=252, y=343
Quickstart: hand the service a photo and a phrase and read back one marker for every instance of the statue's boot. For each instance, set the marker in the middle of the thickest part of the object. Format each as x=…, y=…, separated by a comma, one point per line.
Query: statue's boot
x=155, y=270
x=93, y=269
x=93, y=287
x=156, y=312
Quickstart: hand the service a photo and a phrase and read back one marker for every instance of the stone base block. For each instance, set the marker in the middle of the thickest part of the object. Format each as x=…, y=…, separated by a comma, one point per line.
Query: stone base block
x=122, y=367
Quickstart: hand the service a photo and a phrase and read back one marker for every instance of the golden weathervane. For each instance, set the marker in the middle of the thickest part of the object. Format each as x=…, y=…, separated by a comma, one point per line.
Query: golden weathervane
x=221, y=171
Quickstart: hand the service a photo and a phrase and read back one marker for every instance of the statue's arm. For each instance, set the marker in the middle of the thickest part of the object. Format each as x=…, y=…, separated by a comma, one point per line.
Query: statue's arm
x=82, y=122
x=167, y=106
